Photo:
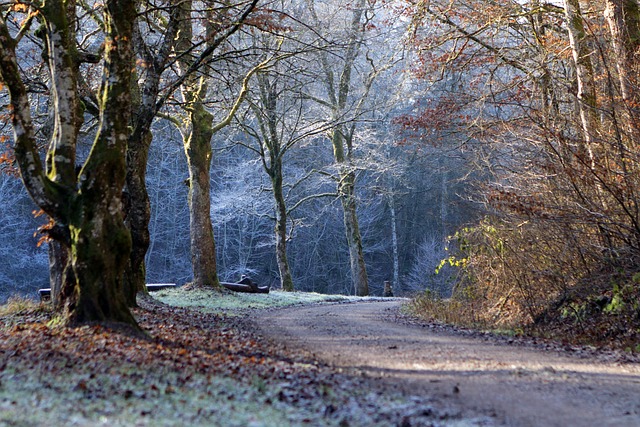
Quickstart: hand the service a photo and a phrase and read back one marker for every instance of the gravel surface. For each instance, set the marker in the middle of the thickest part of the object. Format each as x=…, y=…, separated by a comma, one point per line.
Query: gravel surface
x=496, y=379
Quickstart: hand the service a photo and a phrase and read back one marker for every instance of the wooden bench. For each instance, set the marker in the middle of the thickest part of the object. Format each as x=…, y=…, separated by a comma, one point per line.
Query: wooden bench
x=45, y=293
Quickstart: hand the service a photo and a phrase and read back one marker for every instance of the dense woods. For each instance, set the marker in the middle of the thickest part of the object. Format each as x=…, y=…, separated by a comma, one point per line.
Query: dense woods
x=485, y=150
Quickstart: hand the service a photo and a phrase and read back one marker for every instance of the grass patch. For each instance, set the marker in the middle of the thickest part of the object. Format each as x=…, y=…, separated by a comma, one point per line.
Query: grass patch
x=431, y=307
x=230, y=303
x=17, y=305
x=18, y=308
x=127, y=397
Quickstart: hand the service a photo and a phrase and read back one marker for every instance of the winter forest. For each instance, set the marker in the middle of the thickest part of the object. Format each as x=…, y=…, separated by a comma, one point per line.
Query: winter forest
x=484, y=150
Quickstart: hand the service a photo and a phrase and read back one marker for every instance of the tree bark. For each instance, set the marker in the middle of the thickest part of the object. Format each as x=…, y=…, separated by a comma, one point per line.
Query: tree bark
x=138, y=213
x=346, y=191
x=144, y=109
x=286, y=280
x=271, y=153
x=394, y=243
x=197, y=146
x=587, y=104
x=342, y=143
x=623, y=17
x=58, y=262
x=198, y=150
x=99, y=242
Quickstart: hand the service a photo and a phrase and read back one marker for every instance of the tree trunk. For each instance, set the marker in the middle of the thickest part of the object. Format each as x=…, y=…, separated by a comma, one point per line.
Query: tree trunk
x=394, y=243
x=623, y=17
x=100, y=241
x=145, y=90
x=91, y=210
x=587, y=104
x=342, y=145
x=138, y=214
x=271, y=153
x=346, y=191
x=100, y=245
x=67, y=119
x=197, y=146
x=58, y=262
x=281, y=228
x=198, y=150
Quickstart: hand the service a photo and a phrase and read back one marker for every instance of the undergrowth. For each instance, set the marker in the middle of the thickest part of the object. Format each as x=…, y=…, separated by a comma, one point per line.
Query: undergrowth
x=431, y=306
x=604, y=316
x=541, y=279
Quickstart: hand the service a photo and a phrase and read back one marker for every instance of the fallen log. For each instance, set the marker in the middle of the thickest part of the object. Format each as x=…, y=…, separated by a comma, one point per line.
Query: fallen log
x=246, y=285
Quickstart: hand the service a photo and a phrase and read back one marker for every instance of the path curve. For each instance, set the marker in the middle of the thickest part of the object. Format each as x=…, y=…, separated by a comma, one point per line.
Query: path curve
x=515, y=385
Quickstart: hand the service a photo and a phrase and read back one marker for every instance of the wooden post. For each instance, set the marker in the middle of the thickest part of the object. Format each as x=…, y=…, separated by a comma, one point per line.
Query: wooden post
x=388, y=292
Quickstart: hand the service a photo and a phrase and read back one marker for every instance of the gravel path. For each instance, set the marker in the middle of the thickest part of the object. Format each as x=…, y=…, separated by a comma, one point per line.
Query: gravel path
x=514, y=385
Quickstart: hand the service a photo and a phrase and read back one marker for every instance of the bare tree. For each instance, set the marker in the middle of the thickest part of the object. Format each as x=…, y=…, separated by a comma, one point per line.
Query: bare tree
x=86, y=206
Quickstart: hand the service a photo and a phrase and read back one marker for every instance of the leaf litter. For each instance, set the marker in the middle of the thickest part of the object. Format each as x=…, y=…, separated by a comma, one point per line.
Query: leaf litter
x=196, y=366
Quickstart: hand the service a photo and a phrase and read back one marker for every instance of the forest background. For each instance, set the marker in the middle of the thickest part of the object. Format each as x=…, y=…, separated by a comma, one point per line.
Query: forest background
x=490, y=148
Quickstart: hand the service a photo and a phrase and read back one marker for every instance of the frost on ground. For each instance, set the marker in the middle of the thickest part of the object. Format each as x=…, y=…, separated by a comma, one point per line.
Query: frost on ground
x=197, y=367
x=234, y=303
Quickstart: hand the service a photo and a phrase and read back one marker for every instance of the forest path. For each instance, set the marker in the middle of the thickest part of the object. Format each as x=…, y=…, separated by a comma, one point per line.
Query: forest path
x=515, y=385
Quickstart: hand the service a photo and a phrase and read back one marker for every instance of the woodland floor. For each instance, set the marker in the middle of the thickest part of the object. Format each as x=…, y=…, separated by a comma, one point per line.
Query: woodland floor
x=343, y=364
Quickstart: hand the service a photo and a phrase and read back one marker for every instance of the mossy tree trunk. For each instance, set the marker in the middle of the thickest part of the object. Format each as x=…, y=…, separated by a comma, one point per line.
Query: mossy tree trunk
x=198, y=130
x=197, y=146
x=100, y=241
x=89, y=208
x=67, y=119
x=198, y=150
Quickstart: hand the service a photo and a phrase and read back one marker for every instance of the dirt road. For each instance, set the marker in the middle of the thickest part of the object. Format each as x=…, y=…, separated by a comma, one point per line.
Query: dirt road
x=513, y=384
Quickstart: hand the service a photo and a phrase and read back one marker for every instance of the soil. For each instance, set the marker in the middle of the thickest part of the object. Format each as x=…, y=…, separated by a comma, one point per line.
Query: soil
x=504, y=380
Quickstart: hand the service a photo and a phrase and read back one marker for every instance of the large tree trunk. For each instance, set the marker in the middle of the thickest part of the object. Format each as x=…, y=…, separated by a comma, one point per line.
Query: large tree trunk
x=197, y=146
x=198, y=151
x=100, y=244
x=67, y=119
x=136, y=197
x=100, y=241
